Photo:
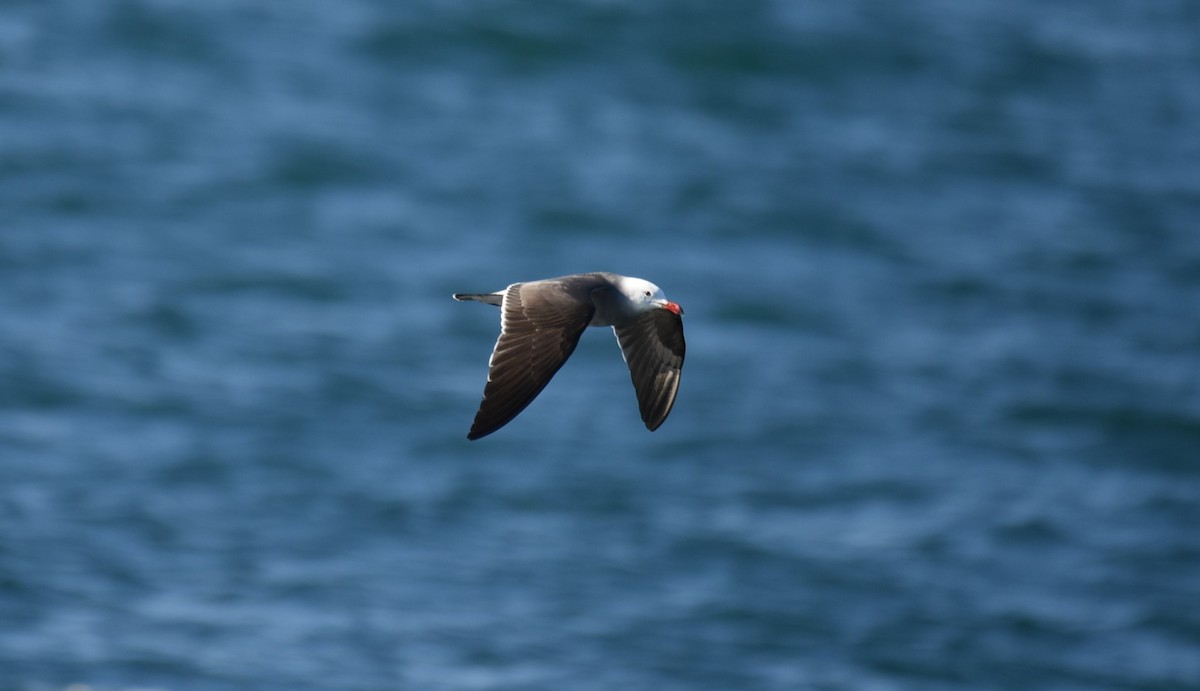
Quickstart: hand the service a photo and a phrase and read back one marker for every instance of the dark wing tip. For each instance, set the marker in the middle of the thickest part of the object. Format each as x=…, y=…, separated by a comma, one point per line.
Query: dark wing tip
x=658, y=404
x=479, y=430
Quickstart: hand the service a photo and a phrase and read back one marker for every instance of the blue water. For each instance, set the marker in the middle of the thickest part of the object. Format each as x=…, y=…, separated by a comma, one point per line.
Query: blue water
x=939, y=425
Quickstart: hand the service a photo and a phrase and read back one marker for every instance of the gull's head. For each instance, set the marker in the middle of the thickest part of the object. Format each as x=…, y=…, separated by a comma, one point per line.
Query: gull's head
x=645, y=295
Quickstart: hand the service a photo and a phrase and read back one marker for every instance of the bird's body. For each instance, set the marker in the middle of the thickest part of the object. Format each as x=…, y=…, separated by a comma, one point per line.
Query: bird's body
x=542, y=321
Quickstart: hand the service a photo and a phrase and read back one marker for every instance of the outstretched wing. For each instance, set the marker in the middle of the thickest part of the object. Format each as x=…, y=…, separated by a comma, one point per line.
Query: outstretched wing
x=653, y=347
x=540, y=325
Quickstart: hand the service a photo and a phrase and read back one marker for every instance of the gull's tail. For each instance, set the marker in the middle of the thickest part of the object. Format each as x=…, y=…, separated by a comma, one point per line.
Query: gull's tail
x=488, y=298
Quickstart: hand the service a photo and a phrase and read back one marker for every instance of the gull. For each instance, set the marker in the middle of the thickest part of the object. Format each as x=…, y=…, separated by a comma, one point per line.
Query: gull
x=540, y=325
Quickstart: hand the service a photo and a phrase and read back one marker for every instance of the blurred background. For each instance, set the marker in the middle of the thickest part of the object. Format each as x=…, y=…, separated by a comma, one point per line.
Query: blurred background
x=939, y=425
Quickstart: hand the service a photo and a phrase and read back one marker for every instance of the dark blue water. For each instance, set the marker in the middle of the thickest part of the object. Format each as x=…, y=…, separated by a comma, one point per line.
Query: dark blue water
x=939, y=425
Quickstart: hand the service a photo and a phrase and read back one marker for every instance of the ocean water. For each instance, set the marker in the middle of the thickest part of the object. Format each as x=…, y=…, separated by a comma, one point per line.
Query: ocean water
x=939, y=426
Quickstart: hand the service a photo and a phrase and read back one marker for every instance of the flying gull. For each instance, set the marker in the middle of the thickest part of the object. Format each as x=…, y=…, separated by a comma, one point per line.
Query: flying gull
x=541, y=322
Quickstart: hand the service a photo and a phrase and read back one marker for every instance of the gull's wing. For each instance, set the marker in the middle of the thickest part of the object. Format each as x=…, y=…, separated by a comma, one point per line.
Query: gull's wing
x=653, y=348
x=540, y=325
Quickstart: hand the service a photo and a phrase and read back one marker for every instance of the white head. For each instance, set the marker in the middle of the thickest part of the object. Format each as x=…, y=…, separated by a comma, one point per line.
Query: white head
x=645, y=295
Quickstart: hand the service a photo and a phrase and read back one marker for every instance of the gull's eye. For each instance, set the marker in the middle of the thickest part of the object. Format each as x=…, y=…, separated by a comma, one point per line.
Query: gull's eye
x=648, y=293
